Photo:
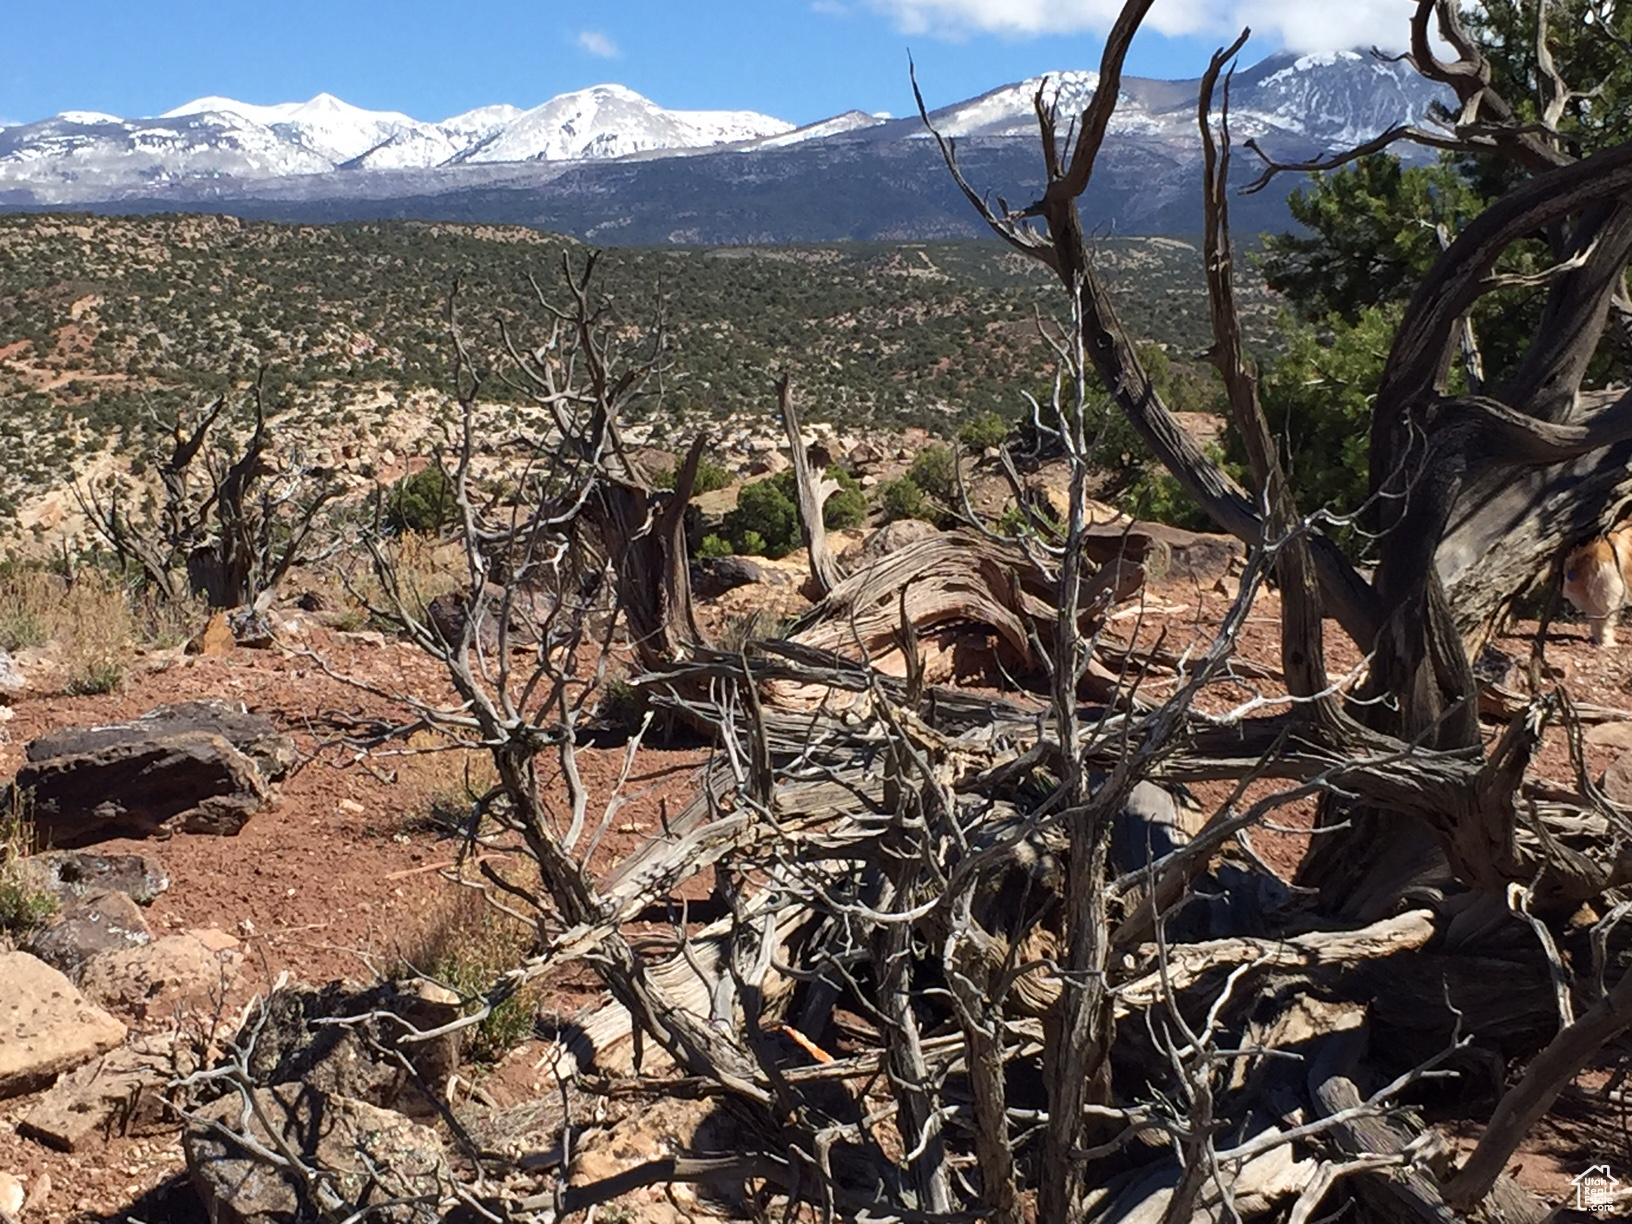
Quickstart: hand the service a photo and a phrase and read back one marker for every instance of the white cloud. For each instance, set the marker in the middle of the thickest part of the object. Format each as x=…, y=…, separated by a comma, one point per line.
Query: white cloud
x=598, y=44
x=1299, y=25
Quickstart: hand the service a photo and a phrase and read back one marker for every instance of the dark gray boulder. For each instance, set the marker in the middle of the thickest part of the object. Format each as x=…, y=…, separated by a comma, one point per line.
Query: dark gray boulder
x=373, y=1158
x=254, y=735
x=199, y=767
x=88, y=926
x=71, y=874
x=300, y=1043
x=714, y=576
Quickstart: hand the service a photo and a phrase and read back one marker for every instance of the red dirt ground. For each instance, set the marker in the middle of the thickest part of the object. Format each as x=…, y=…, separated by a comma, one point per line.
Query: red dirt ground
x=339, y=876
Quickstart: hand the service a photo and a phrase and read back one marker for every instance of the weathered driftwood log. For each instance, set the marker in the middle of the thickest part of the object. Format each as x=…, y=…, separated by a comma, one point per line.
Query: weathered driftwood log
x=814, y=488
x=957, y=587
x=1256, y=1188
x=1404, y=1194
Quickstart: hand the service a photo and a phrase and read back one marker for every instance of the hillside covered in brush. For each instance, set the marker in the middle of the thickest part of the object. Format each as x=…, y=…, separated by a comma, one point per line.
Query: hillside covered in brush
x=108, y=325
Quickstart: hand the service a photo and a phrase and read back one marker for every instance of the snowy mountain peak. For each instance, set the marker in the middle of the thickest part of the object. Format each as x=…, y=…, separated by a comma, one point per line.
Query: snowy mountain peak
x=1299, y=103
x=89, y=118
x=615, y=121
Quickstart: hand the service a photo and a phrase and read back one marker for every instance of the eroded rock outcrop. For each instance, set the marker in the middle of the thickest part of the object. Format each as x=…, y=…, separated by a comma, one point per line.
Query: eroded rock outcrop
x=198, y=767
x=373, y=1157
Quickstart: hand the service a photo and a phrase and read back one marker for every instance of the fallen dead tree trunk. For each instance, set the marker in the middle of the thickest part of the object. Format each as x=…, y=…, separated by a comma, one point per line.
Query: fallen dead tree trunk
x=954, y=588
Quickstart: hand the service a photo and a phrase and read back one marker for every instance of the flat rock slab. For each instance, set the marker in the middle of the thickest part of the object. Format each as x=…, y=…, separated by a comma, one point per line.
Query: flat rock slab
x=189, y=782
x=197, y=767
x=1610, y=735
x=193, y=969
x=373, y=1156
x=46, y=1025
x=120, y=1091
x=1618, y=780
x=254, y=735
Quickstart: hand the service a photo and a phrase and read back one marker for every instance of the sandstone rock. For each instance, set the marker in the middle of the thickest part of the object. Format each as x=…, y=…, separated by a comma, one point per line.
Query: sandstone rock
x=374, y=1155
x=123, y=1088
x=46, y=1026
x=214, y=639
x=712, y=577
x=11, y=679
x=363, y=637
x=1618, y=780
x=31, y=671
x=69, y=874
x=193, y=969
x=771, y=463
x=1205, y=558
x=886, y=540
x=1610, y=735
x=446, y=614
x=251, y=629
x=11, y=1195
x=89, y=926
x=1153, y=822
x=865, y=455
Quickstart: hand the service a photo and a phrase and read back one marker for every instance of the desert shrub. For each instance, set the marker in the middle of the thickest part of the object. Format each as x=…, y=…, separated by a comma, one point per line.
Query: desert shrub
x=847, y=507
x=902, y=498
x=421, y=502
x=765, y=521
x=89, y=618
x=23, y=905
x=714, y=546
x=934, y=470
x=986, y=430
x=712, y=475
x=620, y=704
x=27, y=597
x=423, y=568
x=164, y=622
x=466, y=948
x=755, y=625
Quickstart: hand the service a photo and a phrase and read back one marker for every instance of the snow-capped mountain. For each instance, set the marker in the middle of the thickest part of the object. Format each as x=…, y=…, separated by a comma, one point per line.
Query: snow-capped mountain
x=611, y=121
x=1340, y=98
x=1329, y=101
x=221, y=138
x=605, y=161
x=334, y=130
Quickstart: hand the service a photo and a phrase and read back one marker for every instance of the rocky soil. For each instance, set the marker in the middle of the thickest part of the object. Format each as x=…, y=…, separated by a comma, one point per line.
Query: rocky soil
x=338, y=873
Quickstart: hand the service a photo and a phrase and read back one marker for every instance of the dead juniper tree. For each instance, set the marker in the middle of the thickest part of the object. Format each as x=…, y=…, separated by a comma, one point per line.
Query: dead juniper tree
x=232, y=519
x=964, y=955
x=934, y=864
x=1473, y=494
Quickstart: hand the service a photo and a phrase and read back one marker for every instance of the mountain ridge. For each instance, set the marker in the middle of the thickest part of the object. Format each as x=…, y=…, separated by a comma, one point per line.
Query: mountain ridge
x=586, y=162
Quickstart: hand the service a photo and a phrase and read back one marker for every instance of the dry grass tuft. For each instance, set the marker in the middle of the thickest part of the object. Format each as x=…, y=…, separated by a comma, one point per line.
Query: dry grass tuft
x=89, y=619
x=443, y=782
x=23, y=904
x=468, y=946
x=425, y=567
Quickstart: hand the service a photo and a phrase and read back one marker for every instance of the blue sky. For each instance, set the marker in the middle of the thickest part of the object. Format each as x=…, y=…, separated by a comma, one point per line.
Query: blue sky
x=799, y=60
